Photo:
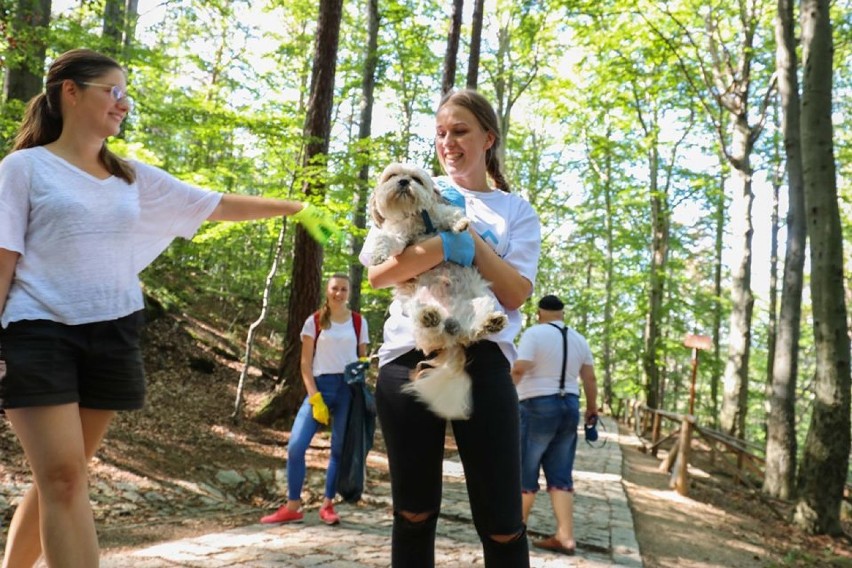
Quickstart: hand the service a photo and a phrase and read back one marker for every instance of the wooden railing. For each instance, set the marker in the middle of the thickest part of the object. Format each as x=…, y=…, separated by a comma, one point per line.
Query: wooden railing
x=648, y=424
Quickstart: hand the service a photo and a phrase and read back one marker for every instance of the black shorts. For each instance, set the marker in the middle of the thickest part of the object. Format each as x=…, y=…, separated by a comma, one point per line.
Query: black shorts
x=98, y=365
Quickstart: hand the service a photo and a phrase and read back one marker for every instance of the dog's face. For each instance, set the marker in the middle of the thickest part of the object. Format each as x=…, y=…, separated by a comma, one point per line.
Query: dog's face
x=402, y=191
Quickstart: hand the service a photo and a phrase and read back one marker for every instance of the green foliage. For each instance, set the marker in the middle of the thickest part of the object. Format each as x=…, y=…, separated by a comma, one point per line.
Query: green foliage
x=588, y=91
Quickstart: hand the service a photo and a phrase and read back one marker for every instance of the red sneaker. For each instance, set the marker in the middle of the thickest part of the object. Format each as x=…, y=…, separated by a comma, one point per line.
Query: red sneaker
x=328, y=516
x=283, y=515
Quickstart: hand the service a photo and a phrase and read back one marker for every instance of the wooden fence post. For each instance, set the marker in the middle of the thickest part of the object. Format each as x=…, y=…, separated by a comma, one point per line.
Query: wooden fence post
x=655, y=434
x=680, y=475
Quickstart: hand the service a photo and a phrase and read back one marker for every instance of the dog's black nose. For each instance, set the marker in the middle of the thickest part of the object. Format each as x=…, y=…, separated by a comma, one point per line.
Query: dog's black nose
x=403, y=182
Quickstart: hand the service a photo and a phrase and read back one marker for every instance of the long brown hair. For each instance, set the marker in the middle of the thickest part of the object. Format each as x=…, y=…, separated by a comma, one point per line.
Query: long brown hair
x=487, y=118
x=325, y=309
x=42, y=123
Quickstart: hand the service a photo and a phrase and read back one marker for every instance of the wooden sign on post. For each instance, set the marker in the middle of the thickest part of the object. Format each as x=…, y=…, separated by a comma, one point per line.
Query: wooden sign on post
x=696, y=342
x=703, y=342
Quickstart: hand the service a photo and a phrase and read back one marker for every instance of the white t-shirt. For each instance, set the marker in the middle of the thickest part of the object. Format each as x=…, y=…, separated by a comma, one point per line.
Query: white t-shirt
x=83, y=241
x=336, y=346
x=542, y=344
x=511, y=227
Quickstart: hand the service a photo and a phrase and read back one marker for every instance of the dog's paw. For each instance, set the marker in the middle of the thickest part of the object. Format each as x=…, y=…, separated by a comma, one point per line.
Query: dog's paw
x=429, y=317
x=452, y=326
x=494, y=323
x=461, y=225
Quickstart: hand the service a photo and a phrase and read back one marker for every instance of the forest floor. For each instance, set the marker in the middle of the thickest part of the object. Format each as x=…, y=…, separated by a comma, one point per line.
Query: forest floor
x=185, y=438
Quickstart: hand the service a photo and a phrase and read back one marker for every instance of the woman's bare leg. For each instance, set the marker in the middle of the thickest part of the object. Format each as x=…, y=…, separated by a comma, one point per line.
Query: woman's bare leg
x=73, y=435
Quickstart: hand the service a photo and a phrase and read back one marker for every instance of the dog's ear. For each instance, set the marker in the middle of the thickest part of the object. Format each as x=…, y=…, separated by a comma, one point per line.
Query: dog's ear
x=388, y=172
x=374, y=211
x=426, y=181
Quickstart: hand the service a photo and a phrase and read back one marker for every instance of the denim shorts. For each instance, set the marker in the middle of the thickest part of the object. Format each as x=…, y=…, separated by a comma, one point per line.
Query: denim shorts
x=549, y=441
x=97, y=365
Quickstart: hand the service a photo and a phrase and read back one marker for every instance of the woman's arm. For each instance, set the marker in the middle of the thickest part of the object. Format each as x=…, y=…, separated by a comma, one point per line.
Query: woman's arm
x=233, y=207
x=510, y=287
x=8, y=261
x=413, y=261
x=307, y=365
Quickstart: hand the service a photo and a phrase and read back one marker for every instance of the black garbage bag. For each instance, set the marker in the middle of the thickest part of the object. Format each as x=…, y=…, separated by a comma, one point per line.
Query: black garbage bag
x=358, y=440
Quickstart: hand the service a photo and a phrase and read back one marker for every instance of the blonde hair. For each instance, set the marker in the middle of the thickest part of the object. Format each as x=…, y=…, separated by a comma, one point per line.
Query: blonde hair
x=325, y=309
x=42, y=123
x=486, y=117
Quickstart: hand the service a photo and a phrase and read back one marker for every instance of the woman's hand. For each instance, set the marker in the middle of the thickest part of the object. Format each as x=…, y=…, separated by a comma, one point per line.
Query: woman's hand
x=458, y=247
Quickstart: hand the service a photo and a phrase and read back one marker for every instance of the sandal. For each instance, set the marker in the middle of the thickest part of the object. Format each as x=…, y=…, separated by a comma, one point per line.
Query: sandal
x=552, y=544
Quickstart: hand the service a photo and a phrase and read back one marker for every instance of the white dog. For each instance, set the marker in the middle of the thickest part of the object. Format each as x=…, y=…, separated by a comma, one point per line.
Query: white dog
x=451, y=306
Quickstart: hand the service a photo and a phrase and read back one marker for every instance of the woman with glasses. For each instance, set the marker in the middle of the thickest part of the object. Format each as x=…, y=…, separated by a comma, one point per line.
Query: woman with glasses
x=77, y=225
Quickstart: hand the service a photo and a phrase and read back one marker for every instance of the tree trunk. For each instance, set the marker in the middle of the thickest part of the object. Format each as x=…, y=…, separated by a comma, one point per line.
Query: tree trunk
x=781, y=445
x=735, y=391
x=656, y=279
x=451, y=55
x=368, y=83
x=715, y=377
x=307, y=261
x=774, y=229
x=608, y=358
x=825, y=460
x=131, y=16
x=475, y=44
x=26, y=52
x=113, y=27
x=119, y=27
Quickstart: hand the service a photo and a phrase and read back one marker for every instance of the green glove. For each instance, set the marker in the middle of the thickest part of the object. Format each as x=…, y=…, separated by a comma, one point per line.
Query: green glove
x=319, y=408
x=317, y=222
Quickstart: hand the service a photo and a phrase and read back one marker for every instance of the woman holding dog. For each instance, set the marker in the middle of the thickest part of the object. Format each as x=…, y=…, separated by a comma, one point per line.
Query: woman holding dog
x=77, y=225
x=504, y=245
x=331, y=338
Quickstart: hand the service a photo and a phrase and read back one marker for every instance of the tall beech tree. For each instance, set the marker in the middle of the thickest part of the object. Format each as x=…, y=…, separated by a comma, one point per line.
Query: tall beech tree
x=825, y=460
x=365, y=129
x=725, y=86
x=308, y=255
x=475, y=44
x=781, y=444
x=451, y=55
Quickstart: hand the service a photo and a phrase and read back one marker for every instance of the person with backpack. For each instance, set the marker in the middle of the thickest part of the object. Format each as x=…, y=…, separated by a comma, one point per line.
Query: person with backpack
x=332, y=337
x=552, y=359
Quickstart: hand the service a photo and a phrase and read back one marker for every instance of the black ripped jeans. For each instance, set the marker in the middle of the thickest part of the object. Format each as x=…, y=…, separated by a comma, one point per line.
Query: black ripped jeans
x=489, y=447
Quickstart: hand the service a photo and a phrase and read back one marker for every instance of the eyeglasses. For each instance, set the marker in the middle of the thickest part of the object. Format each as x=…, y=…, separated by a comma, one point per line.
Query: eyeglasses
x=120, y=95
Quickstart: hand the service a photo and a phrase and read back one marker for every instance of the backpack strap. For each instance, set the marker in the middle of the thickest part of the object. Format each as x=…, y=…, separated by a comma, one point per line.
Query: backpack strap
x=356, y=323
x=564, y=332
x=317, y=330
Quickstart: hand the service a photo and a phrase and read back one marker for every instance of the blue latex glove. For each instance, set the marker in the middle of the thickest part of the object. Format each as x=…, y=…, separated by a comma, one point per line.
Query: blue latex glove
x=452, y=196
x=458, y=247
